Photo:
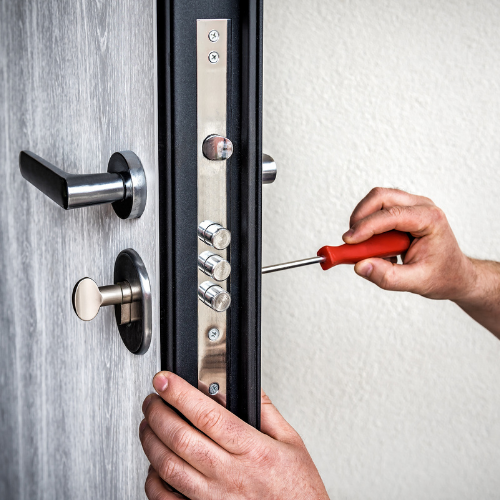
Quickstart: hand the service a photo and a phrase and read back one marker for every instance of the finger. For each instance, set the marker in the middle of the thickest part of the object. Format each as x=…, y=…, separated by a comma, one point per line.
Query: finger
x=274, y=425
x=183, y=439
x=212, y=419
x=171, y=468
x=156, y=489
x=379, y=198
x=416, y=220
x=219, y=397
x=392, y=260
x=401, y=278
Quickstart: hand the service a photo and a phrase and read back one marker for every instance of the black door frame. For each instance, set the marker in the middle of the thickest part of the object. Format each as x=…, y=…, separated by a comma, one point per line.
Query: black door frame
x=177, y=134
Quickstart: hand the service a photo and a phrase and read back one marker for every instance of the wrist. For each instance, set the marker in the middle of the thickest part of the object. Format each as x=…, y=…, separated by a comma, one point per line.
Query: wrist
x=482, y=284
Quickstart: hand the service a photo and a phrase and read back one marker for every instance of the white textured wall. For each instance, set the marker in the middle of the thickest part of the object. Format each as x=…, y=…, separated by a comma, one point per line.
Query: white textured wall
x=396, y=397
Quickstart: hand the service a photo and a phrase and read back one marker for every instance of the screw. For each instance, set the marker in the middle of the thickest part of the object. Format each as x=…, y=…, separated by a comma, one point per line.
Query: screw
x=213, y=57
x=213, y=334
x=213, y=36
x=213, y=389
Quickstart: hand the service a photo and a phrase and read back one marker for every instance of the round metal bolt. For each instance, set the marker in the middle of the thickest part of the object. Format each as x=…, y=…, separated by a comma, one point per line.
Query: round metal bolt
x=213, y=57
x=213, y=36
x=213, y=389
x=213, y=334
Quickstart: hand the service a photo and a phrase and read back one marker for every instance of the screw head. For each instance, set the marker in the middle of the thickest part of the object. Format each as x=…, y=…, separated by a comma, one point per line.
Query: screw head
x=213, y=57
x=213, y=334
x=213, y=36
x=213, y=389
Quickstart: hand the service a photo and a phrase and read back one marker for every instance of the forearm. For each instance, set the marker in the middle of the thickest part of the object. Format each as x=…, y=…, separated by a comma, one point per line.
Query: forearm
x=482, y=302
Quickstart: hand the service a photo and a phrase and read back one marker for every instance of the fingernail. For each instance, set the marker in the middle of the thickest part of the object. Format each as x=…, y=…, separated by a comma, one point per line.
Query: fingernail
x=365, y=269
x=142, y=425
x=160, y=382
x=348, y=234
x=147, y=402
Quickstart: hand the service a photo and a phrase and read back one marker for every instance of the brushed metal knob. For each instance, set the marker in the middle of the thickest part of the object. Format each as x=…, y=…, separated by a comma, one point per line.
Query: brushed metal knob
x=214, y=235
x=214, y=265
x=217, y=148
x=214, y=296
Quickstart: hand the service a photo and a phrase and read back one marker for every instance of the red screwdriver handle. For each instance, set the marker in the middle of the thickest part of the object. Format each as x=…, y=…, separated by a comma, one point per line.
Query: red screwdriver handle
x=381, y=245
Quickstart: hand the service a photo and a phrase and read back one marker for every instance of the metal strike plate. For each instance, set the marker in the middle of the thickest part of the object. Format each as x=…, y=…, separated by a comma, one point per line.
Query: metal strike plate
x=214, y=149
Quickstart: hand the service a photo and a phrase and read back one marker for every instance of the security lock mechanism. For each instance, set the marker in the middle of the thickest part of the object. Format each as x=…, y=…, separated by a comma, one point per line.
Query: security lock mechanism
x=217, y=148
x=214, y=296
x=214, y=265
x=214, y=235
x=124, y=185
x=131, y=296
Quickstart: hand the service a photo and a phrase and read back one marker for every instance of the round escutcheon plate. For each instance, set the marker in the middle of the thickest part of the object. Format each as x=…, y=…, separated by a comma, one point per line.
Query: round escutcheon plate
x=136, y=335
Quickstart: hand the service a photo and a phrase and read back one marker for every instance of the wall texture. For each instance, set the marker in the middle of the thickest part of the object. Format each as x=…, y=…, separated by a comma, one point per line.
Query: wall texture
x=395, y=396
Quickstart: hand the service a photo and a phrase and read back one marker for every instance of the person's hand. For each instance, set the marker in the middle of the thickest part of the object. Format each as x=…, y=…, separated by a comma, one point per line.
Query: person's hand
x=434, y=266
x=221, y=457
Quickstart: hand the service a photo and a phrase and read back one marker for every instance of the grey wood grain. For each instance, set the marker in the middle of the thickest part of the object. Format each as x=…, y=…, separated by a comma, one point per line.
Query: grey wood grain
x=77, y=82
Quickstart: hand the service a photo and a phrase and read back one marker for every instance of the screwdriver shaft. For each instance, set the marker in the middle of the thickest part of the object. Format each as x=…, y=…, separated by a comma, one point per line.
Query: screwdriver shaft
x=291, y=265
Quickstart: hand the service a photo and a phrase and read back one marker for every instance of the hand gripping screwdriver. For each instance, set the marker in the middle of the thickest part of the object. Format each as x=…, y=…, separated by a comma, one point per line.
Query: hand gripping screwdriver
x=383, y=245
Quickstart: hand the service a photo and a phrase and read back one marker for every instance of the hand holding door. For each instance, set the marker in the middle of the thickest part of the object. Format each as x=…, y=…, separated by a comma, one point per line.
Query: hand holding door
x=124, y=185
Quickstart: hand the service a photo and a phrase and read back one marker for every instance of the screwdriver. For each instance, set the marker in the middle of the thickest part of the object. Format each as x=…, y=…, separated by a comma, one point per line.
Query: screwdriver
x=383, y=245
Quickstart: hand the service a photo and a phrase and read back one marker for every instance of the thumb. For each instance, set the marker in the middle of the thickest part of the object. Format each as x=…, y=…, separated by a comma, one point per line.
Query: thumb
x=273, y=424
x=389, y=276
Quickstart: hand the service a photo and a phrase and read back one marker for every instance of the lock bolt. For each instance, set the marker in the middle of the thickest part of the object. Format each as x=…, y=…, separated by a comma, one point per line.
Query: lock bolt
x=214, y=265
x=214, y=296
x=214, y=234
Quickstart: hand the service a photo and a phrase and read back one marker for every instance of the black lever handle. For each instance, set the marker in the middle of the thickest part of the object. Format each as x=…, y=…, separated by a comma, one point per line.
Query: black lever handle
x=124, y=185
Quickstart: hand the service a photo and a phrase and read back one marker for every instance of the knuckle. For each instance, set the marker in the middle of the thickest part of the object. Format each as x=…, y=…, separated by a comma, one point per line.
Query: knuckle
x=149, y=488
x=182, y=398
x=438, y=214
x=147, y=437
x=174, y=473
x=153, y=489
x=396, y=211
x=388, y=281
x=264, y=456
x=168, y=469
x=153, y=411
x=209, y=419
x=181, y=440
x=377, y=191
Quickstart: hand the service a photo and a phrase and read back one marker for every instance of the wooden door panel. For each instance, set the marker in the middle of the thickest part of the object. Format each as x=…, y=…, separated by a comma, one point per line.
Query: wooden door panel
x=77, y=83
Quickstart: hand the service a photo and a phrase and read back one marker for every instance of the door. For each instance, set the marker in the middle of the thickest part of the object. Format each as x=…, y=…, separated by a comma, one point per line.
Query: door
x=106, y=102
x=78, y=83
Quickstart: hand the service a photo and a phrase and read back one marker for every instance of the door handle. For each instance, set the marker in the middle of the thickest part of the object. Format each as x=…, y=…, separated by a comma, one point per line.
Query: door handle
x=124, y=185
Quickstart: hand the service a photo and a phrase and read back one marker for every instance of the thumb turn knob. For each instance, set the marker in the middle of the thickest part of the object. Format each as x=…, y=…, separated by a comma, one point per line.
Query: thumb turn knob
x=88, y=298
x=131, y=296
